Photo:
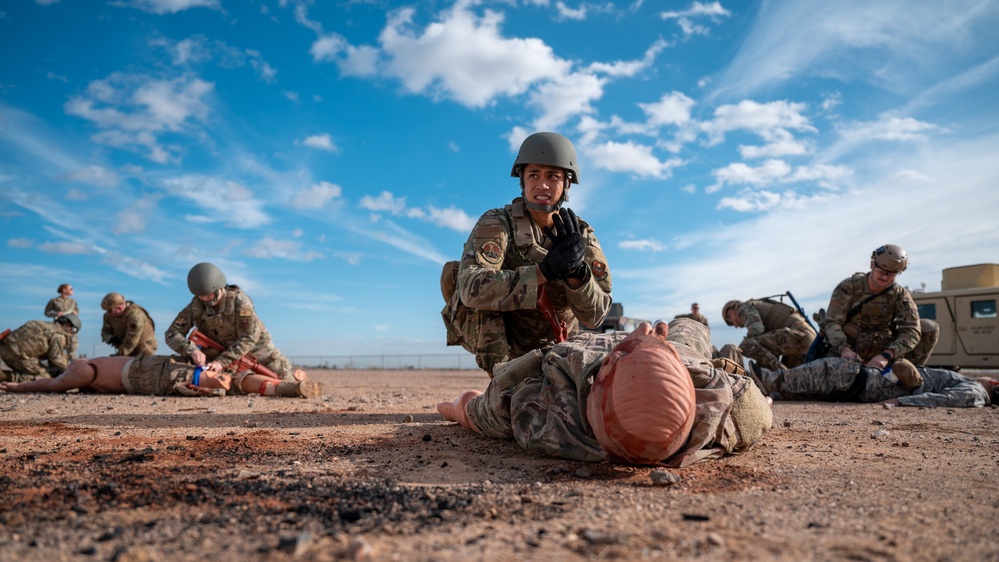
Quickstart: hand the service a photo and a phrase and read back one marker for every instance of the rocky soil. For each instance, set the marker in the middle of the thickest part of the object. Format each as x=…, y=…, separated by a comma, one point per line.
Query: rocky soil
x=370, y=471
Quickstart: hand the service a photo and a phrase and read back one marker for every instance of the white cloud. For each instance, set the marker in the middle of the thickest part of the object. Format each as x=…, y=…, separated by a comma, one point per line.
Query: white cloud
x=133, y=110
x=316, y=196
x=464, y=56
x=385, y=202
x=321, y=142
x=771, y=120
x=20, y=243
x=673, y=108
x=269, y=248
x=630, y=157
x=167, y=6
x=223, y=201
x=738, y=173
x=565, y=12
x=684, y=18
x=95, y=175
x=133, y=219
x=65, y=248
x=642, y=245
x=452, y=217
x=887, y=128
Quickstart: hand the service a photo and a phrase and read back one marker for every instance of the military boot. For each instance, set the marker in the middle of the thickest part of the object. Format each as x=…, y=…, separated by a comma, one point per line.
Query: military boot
x=299, y=389
x=907, y=373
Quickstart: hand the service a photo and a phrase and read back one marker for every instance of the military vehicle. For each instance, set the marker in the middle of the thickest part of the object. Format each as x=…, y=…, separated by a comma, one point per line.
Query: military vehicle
x=965, y=309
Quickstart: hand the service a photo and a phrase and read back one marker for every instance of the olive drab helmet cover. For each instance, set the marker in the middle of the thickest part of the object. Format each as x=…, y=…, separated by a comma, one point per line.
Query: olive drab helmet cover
x=71, y=319
x=728, y=306
x=548, y=149
x=890, y=258
x=204, y=279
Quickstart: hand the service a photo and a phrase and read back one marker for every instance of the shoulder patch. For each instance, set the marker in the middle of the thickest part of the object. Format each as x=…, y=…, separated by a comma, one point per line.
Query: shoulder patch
x=599, y=269
x=489, y=252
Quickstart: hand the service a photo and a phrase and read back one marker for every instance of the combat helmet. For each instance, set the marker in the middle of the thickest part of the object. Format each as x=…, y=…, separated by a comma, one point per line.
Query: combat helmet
x=205, y=278
x=729, y=305
x=890, y=258
x=112, y=300
x=547, y=149
x=70, y=319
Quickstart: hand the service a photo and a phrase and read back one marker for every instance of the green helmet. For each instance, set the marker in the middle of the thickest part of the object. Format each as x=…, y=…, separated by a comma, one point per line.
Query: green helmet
x=547, y=149
x=890, y=258
x=71, y=319
x=205, y=278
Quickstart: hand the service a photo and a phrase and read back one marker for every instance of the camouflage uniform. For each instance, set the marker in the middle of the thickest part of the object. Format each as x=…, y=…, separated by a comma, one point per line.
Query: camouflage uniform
x=23, y=348
x=845, y=380
x=234, y=325
x=492, y=298
x=539, y=399
x=65, y=305
x=777, y=336
x=888, y=321
x=160, y=375
x=134, y=329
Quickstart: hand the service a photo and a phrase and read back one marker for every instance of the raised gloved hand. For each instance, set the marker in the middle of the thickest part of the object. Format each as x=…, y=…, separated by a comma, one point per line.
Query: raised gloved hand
x=114, y=341
x=565, y=258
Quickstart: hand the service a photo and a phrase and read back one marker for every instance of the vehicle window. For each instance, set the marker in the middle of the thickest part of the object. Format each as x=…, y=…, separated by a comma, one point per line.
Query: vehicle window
x=928, y=311
x=983, y=309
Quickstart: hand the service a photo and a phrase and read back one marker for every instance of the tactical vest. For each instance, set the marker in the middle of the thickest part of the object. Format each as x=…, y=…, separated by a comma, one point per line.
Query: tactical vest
x=775, y=315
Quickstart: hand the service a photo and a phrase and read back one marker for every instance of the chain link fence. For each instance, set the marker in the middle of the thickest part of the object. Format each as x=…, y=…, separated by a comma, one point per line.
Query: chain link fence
x=440, y=361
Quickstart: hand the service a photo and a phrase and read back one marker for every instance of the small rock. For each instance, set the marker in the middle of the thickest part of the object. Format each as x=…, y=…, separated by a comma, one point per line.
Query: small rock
x=583, y=473
x=880, y=434
x=427, y=438
x=593, y=536
x=715, y=539
x=787, y=423
x=408, y=419
x=664, y=478
x=296, y=545
x=359, y=549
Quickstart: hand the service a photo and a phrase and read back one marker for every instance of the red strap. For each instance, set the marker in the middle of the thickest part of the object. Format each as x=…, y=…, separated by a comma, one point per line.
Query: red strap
x=559, y=329
x=4, y=334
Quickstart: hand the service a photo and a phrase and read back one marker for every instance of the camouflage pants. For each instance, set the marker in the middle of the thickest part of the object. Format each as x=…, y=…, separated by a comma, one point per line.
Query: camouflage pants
x=781, y=348
x=830, y=378
x=23, y=368
x=930, y=334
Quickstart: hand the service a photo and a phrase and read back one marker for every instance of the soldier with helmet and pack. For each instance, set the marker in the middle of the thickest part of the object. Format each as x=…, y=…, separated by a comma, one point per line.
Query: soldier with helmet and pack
x=225, y=314
x=873, y=320
x=24, y=349
x=777, y=335
x=531, y=271
x=127, y=327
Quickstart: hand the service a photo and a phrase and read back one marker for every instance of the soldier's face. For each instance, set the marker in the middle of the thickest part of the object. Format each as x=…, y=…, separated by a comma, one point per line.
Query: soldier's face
x=212, y=299
x=118, y=309
x=543, y=185
x=880, y=278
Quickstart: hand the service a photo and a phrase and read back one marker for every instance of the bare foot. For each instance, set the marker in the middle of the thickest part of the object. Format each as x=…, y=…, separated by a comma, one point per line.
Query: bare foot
x=299, y=375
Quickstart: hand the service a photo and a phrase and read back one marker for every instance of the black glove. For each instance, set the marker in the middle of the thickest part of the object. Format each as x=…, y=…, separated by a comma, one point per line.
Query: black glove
x=114, y=341
x=565, y=258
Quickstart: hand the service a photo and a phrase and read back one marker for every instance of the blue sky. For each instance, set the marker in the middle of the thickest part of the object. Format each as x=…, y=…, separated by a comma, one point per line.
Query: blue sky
x=330, y=156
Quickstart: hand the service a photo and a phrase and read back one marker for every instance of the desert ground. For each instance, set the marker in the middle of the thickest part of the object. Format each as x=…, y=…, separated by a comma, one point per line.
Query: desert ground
x=370, y=471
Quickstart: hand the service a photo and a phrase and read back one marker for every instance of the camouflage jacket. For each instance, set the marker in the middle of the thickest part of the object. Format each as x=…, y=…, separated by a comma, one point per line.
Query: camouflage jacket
x=39, y=339
x=233, y=324
x=135, y=329
x=699, y=317
x=539, y=399
x=889, y=320
x=762, y=316
x=498, y=272
x=65, y=305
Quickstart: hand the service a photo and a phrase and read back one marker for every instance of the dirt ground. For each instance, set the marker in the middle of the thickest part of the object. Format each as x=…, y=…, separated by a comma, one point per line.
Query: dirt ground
x=370, y=471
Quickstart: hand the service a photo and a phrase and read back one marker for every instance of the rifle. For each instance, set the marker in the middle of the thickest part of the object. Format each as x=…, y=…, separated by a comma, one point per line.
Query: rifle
x=797, y=307
x=245, y=363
